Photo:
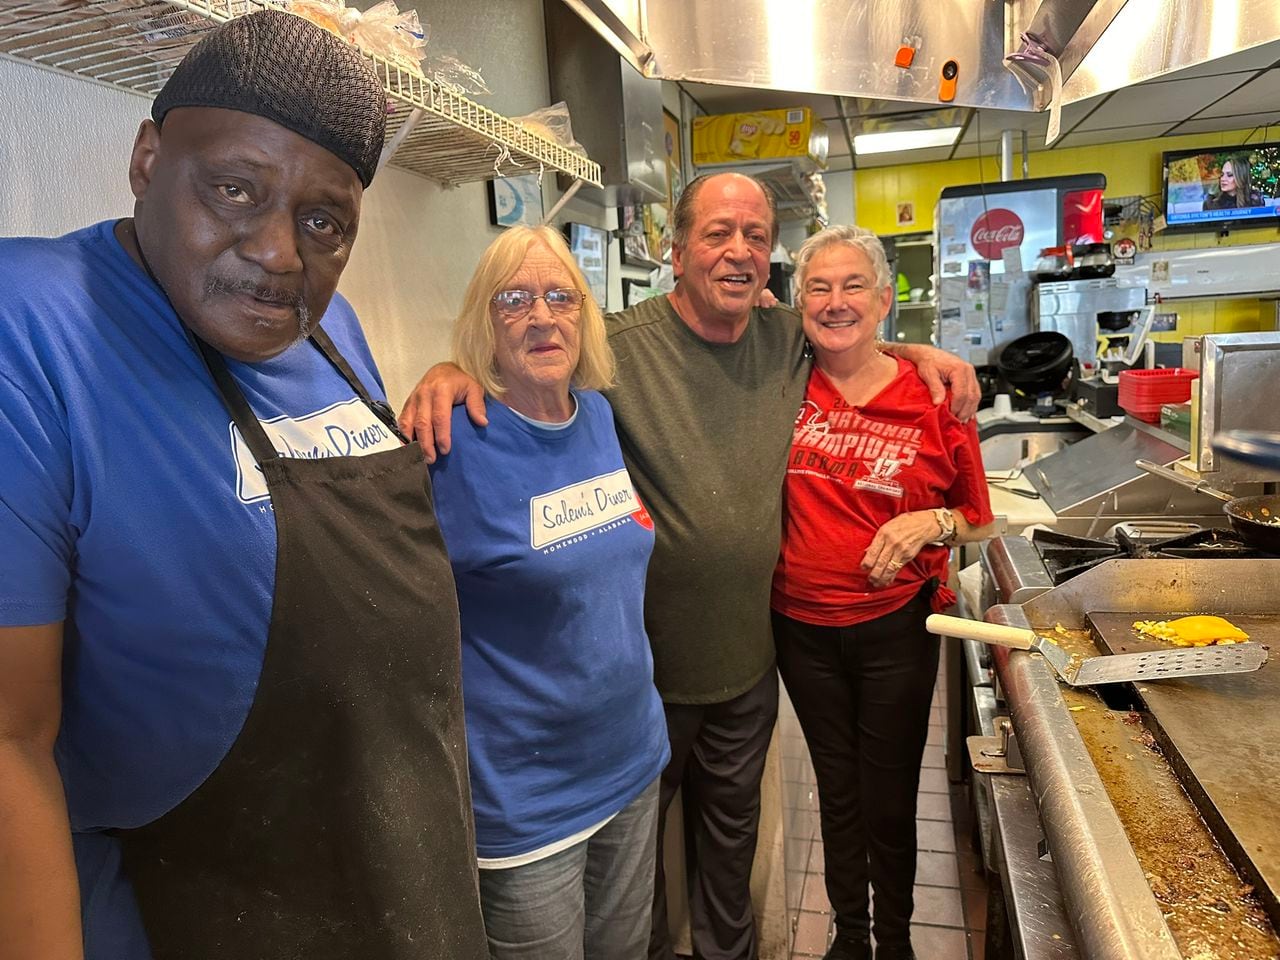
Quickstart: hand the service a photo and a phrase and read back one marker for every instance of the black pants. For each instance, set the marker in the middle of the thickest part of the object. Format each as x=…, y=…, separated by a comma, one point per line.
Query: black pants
x=862, y=696
x=717, y=755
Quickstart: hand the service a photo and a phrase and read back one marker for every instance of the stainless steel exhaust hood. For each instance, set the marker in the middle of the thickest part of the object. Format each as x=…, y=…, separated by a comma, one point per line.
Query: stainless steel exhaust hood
x=847, y=47
x=616, y=110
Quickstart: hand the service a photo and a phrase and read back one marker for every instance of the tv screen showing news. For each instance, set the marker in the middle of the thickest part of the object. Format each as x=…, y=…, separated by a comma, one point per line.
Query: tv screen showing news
x=1209, y=187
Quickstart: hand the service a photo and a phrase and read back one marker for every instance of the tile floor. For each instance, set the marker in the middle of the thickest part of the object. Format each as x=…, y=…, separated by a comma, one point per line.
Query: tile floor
x=950, y=893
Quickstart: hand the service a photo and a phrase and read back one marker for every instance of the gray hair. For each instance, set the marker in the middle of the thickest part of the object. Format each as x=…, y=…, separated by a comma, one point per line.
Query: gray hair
x=859, y=238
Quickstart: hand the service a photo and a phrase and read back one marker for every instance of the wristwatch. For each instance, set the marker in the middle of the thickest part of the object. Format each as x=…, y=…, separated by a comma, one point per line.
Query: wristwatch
x=947, y=524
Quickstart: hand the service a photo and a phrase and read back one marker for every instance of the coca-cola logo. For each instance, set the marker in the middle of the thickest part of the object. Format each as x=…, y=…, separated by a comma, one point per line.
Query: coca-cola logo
x=994, y=231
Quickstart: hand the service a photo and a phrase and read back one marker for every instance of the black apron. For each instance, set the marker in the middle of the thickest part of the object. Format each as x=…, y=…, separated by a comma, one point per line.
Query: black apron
x=339, y=825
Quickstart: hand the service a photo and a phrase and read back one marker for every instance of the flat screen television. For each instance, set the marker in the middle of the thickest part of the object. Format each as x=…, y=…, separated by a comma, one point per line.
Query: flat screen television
x=1216, y=186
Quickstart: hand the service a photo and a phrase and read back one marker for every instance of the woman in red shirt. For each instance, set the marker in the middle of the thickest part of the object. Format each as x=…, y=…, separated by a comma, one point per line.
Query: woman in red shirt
x=880, y=484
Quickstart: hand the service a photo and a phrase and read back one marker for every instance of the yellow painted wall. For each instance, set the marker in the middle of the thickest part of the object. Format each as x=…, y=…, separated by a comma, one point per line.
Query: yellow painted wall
x=1131, y=168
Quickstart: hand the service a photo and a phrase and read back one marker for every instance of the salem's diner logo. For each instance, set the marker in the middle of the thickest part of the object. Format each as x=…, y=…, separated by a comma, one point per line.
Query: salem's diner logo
x=573, y=513
x=994, y=231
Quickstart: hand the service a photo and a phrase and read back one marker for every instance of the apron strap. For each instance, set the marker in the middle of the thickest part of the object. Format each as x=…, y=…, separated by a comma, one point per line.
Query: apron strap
x=233, y=398
x=242, y=414
x=381, y=409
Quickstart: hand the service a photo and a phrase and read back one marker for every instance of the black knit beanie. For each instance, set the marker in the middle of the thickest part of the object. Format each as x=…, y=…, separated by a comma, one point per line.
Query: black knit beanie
x=290, y=71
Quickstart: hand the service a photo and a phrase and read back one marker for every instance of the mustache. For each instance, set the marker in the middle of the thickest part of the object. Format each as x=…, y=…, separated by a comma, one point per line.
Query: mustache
x=218, y=286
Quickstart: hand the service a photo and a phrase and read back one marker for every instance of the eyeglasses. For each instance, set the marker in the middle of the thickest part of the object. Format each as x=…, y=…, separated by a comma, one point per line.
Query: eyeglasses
x=514, y=304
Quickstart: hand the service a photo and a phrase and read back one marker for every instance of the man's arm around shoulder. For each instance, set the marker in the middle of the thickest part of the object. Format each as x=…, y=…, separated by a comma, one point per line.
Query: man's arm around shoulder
x=940, y=370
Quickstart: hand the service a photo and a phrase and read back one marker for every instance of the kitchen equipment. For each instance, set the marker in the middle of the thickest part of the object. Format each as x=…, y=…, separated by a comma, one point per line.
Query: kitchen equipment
x=1036, y=363
x=1214, y=740
x=1097, y=397
x=982, y=306
x=1113, y=321
x=1256, y=447
x=1257, y=519
x=1096, y=315
x=1246, y=400
x=1115, y=668
x=1093, y=260
x=1055, y=263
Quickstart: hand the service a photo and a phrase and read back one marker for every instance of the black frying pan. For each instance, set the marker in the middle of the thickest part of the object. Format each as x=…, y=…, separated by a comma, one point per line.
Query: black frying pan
x=1248, y=516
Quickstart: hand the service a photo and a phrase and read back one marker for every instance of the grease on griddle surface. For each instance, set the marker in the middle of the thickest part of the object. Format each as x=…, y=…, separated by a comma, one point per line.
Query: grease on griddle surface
x=1211, y=912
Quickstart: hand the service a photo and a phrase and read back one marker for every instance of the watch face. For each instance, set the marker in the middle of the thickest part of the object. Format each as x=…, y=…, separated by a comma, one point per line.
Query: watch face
x=947, y=521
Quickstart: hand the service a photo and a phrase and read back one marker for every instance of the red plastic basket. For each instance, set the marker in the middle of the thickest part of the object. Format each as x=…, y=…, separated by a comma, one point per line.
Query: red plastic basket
x=1144, y=392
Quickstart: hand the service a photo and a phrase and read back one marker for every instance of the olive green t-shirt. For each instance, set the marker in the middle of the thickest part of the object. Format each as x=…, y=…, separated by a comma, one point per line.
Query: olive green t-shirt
x=705, y=430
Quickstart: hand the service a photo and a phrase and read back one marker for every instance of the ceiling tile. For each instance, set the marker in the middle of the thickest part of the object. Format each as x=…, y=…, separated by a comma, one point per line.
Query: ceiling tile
x=966, y=150
x=1086, y=137
x=1246, y=122
x=990, y=123
x=996, y=121
x=1073, y=114
x=1171, y=100
x=1262, y=93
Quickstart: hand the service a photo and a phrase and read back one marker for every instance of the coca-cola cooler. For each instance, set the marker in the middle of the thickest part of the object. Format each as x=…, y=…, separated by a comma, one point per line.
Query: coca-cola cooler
x=988, y=239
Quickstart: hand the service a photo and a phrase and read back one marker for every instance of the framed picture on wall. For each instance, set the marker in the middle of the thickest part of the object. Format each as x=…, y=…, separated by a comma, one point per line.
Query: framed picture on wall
x=590, y=247
x=671, y=143
x=515, y=201
x=635, y=240
x=657, y=236
x=633, y=291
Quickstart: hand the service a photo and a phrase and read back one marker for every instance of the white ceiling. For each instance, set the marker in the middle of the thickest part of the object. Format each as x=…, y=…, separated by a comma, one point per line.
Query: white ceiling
x=1241, y=91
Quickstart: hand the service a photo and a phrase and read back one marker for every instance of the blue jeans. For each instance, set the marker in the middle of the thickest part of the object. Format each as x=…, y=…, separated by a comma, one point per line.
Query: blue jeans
x=589, y=902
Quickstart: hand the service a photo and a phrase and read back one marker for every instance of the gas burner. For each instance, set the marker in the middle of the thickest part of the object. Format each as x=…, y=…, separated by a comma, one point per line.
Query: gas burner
x=1065, y=556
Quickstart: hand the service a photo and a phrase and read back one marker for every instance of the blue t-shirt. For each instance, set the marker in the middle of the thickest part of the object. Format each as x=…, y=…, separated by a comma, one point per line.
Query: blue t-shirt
x=131, y=509
x=549, y=546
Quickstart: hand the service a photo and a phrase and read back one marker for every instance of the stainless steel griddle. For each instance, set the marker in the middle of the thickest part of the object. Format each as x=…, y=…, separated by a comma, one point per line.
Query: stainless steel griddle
x=1222, y=734
x=1218, y=736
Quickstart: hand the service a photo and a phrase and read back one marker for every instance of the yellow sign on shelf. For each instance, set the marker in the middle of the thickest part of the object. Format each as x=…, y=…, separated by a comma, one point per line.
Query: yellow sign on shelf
x=760, y=135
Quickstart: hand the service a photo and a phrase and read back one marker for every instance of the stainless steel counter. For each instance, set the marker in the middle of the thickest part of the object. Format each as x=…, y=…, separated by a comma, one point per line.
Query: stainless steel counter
x=1218, y=732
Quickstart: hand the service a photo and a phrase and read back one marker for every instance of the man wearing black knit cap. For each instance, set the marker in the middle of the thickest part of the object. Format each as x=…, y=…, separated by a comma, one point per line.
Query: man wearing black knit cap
x=230, y=722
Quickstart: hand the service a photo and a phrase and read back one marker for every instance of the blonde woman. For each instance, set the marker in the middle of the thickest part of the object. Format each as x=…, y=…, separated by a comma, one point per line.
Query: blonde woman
x=550, y=546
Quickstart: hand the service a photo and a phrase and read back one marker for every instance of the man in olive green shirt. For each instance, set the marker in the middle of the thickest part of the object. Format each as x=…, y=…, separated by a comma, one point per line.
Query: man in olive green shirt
x=708, y=388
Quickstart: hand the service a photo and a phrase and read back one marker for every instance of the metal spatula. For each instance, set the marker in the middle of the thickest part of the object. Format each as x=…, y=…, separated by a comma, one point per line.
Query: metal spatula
x=1117, y=668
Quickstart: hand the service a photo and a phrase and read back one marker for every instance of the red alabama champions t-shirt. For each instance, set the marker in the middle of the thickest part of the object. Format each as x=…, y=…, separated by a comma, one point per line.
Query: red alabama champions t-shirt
x=851, y=470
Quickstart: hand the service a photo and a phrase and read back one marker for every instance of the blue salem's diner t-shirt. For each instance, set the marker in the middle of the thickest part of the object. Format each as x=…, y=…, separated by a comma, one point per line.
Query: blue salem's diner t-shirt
x=549, y=545
x=131, y=508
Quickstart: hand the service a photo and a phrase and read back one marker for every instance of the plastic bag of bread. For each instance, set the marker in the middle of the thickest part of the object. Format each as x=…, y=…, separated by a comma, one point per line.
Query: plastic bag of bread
x=455, y=76
x=398, y=37
x=552, y=123
x=333, y=15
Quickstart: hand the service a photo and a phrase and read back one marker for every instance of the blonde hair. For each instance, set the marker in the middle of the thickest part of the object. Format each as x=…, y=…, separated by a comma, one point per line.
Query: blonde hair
x=474, y=347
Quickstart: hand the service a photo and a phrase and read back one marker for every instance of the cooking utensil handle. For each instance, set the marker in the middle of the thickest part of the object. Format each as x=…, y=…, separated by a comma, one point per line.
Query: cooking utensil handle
x=1201, y=486
x=989, y=633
